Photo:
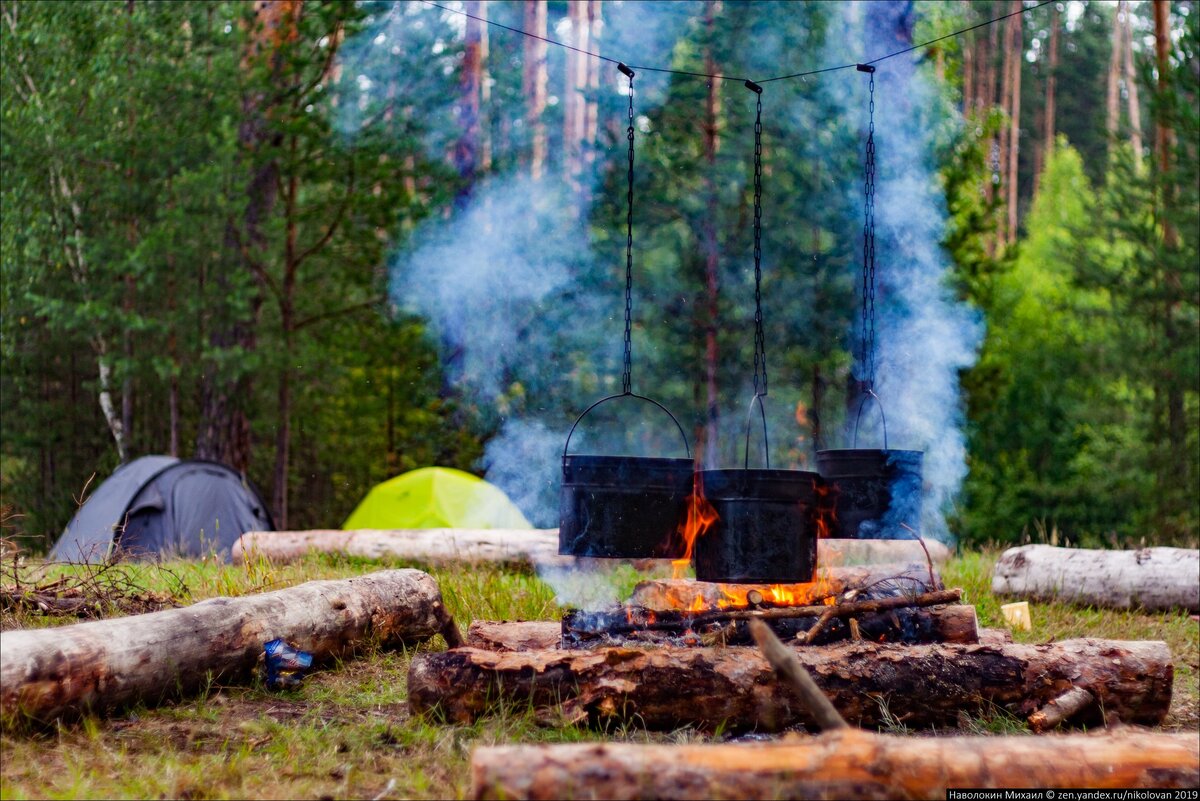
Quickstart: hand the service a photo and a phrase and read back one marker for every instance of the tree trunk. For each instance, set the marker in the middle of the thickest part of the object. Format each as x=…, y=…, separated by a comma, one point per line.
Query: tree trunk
x=1131, y=89
x=840, y=764
x=533, y=85
x=707, y=454
x=1112, y=117
x=106, y=664
x=968, y=63
x=1153, y=579
x=466, y=148
x=525, y=546
x=1051, y=87
x=1016, y=60
x=224, y=431
x=1008, y=52
x=922, y=685
x=591, y=110
x=573, y=94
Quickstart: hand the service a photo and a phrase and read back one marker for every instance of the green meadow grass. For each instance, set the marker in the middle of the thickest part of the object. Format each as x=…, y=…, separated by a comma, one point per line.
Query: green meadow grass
x=347, y=731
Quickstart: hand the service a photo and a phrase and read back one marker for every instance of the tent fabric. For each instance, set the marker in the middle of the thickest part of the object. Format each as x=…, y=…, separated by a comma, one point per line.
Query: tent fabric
x=160, y=506
x=436, y=497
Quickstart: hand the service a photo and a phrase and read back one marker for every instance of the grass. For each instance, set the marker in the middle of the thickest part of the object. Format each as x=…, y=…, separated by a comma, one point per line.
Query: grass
x=347, y=731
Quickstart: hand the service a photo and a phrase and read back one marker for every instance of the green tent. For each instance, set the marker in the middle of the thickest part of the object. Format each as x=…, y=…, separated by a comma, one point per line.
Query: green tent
x=436, y=497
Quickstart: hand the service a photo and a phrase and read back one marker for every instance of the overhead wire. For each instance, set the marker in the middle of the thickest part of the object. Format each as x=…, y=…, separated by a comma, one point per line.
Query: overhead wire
x=689, y=73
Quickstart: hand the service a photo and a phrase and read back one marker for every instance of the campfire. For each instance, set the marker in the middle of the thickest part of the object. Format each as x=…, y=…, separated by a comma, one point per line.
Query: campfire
x=882, y=604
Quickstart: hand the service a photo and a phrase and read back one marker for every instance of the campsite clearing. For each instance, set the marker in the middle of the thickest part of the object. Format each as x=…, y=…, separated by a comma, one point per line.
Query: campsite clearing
x=347, y=732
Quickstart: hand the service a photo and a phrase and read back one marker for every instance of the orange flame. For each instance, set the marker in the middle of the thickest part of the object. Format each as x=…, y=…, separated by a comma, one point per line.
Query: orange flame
x=700, y=518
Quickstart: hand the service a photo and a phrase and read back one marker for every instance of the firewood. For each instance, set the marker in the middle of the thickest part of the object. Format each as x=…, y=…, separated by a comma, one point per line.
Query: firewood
x=1153, y=579
x=846, y=763
x=104, y=664
x=513, y=546
x=921, y=685
x=664, y=594
x=788, y=667
x=952, y=623
x=1054, y=713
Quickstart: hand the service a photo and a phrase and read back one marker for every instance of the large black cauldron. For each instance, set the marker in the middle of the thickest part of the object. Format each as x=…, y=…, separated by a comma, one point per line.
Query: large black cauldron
x=623, y=507
x=765, y=530
x=871, y=493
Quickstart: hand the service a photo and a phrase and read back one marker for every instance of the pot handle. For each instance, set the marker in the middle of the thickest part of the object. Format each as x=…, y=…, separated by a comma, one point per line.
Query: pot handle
x=762, y=412
x=567, y=444
x=870, y=393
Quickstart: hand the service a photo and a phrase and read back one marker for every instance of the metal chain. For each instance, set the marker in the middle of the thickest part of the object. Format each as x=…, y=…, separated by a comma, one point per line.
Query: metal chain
x=760, y=341
x=627, y=374
x=867, y=354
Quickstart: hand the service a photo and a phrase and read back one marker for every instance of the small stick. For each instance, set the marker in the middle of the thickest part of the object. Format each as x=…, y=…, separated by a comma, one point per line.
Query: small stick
x=855, y=634
x=789, y=668
x=812, y=634
x=1061, y=708
x=928, y=558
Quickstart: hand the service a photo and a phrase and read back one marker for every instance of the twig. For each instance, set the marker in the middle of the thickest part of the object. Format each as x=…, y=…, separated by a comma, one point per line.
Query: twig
x=810, y=635
x=1064, y=706
x=928, y=558
x=787, y=666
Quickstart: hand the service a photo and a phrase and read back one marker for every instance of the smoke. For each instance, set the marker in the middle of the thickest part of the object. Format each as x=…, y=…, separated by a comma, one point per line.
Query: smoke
x=925, y=335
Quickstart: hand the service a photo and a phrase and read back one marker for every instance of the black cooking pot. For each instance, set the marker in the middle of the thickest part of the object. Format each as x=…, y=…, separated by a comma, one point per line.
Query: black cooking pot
x=871, y=493
x=623, y=507
x=765, y=530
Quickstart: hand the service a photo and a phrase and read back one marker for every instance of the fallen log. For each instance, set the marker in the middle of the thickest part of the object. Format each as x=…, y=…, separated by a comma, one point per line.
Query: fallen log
x=845, y=763
x=433, y=546
x=920, y=685
x=104, y=664
x=1153, y=579
x=518, y=546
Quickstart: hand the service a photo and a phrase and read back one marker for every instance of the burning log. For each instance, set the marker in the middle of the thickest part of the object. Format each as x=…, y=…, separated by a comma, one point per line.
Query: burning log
x=921, y=685
x=50, y=673
x=1151, y=578
x=890, y=619
x=841, y=764
x=667, y=594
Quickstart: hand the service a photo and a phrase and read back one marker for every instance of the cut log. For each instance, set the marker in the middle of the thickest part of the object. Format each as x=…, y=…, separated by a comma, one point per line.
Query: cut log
x=1153, y=579
x=841, y=764
x=519, y=546
x=104, y=664
x=1054, y=713
x=920, y=685
x=665, y=594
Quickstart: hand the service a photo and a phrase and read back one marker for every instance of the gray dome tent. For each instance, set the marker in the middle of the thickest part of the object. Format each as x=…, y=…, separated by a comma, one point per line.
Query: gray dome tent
x=160, y=505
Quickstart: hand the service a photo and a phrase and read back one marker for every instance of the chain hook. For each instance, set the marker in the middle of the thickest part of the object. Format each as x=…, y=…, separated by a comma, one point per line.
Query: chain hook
x=760, y=340
x=867, y=338
x=627, y=369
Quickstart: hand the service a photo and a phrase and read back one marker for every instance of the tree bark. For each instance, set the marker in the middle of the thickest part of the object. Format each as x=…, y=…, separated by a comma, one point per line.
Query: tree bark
x=106, y=664
x=1131, y=90
x=845, y=763
x=574, y=103
x=466, y=148
x=706, y=449
x=1051, y=87
x=1153, y=579
x=537, y=546
x=921, y=685
x=591, y=108
x=1005, y=134
x=1016, y=60
x=533, y=85
x=1112, y=106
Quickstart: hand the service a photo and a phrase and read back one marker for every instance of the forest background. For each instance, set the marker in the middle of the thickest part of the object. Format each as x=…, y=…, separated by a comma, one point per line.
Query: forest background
x=326, y=243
